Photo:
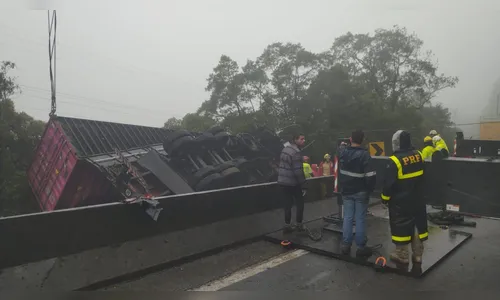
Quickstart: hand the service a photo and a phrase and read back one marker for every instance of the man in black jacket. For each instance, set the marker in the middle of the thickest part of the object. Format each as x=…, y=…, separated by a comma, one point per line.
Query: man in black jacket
x=356, y=182
x=291, y=178
x=403, y=192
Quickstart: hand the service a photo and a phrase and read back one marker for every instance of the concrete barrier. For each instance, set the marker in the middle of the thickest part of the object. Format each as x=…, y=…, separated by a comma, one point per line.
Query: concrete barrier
x=40, y=236
x=467, y=185
x=140, y=257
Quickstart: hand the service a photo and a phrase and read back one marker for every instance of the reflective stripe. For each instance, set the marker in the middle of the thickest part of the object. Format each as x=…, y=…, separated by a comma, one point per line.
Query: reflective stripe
x=384, y=197
x=423, y=235
x=401, y=238
x=400, y=170
x=408, y=238
x=358, y=175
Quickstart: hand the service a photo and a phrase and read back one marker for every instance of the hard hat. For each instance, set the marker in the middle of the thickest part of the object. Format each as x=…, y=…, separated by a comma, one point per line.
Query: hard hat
x=305, y=158
x=401, y=140
x=436, y=138
x=433, y=132
x=427, y=139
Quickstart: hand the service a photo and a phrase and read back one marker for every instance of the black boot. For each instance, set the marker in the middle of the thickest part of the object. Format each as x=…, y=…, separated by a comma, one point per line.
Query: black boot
x=364, y=252
x=345, y=249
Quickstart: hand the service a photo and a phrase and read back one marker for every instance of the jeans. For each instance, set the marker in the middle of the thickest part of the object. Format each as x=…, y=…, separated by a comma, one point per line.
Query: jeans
x=355, y=208
x=293, y=194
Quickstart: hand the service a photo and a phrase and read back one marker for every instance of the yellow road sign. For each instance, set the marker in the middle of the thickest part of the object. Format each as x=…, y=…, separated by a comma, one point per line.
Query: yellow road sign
x=377, y=148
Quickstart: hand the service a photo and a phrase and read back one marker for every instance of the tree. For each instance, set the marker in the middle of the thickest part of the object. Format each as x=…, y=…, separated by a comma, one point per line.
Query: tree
x=336, y=105
x=380, y=83
x=226, y=85
x=192, y=121
x=8, y=86
x=393, y=65
x=173, y=124
x=438, y=118
x=19, y=135
x=280, y=77
x=197, y=123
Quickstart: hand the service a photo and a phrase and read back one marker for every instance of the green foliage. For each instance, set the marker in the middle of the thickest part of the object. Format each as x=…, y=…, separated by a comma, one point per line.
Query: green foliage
x=378, y=82
x=393, y=65
x=173, y=123
x=196, y=122
x=19, y=135
x=192, y=122
x=8, y=85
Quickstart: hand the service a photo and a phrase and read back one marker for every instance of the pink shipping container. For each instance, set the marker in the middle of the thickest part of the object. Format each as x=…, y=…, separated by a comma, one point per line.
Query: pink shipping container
x=67, y=168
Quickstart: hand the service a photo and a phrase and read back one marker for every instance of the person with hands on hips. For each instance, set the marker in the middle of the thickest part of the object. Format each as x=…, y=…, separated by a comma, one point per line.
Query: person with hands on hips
x=292, y=181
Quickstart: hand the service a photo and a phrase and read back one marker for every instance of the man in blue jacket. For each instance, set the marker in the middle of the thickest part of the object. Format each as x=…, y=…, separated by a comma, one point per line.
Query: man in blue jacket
x=291, y=179
x=356, y=181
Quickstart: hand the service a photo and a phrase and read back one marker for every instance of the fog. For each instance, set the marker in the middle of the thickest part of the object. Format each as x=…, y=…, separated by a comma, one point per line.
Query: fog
x=142, y=62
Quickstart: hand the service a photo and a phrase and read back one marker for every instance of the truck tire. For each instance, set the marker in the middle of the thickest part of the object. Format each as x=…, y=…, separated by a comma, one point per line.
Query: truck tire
x=229, y=171
x=179, y=146
x=202, y=173
x=233, y=177
x=206, y=141
x=240, y=162
x=222, y=139
x=172, y=137
x=224, y=166
x=208, y=182
x=215, y=130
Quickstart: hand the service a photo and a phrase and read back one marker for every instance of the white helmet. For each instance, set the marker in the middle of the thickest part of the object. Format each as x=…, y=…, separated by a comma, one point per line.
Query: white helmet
x=433, y=132
x=396, y=140
x=435, y=139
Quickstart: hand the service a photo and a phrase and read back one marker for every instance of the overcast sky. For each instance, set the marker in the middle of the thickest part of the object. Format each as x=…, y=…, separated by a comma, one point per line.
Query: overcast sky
x=142, y=62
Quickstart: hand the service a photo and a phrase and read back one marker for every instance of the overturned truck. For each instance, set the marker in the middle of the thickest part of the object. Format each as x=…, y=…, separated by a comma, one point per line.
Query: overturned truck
x=84, y=162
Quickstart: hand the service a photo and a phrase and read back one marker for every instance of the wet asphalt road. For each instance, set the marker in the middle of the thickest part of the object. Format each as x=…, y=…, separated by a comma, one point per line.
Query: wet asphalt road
x=474, y=266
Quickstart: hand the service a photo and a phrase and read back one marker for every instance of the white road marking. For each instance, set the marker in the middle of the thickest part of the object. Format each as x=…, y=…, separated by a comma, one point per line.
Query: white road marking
x=249, y=271
x=318, y=277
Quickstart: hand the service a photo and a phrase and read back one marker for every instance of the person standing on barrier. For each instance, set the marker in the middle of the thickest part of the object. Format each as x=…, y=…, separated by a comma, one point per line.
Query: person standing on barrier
x=356, y=182
x=292, y=181
x=428, y=149
x=439, y=143
x=403, y=192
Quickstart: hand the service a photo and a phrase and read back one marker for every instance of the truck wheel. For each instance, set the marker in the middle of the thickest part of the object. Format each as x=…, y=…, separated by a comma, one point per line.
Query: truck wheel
x=240, y=162
x=179, y=145
x=215, y=130
x=208, y=182
x=230, y=171
x=206, y=141
x=176, y=135
x=222, y=139
x=234, y=177
x=224, y=166
x=202, y=173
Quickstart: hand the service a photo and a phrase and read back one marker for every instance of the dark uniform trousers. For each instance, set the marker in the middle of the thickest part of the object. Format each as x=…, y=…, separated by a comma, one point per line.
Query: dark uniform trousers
x=403, y=187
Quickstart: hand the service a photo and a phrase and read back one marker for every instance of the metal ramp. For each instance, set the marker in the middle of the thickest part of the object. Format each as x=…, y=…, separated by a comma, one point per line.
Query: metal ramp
x=441, y=243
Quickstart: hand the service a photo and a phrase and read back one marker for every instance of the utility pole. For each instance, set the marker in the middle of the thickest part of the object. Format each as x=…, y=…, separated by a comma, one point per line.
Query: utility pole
x=52, y=22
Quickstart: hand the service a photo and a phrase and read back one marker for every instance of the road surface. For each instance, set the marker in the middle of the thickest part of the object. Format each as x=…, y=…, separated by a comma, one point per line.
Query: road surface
x=264, y=266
